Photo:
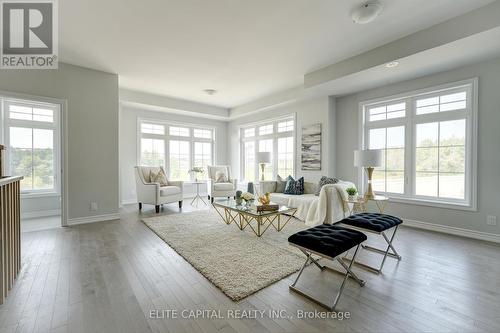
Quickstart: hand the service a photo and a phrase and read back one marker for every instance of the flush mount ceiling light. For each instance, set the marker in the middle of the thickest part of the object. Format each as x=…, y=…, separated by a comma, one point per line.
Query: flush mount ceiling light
x=367, y=12
x=392, y=64
x=210, y=91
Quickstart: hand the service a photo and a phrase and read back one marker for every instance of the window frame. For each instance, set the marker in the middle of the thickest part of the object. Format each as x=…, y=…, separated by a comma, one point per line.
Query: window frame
x=167, y=137
x=410, y=122
x=273, y=136
x=34, y=124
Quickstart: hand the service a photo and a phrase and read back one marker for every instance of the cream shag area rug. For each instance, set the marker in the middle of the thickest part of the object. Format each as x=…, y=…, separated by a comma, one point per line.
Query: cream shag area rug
x=238, y=262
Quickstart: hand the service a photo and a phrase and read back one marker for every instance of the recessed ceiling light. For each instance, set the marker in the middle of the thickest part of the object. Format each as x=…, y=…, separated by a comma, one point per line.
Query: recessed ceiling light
x=367, y=12
x=210, y=91
x=392, y=64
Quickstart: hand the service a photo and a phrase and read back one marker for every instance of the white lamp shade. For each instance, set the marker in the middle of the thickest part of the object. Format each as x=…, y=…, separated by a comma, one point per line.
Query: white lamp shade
x=264, y=157
x=368, y=158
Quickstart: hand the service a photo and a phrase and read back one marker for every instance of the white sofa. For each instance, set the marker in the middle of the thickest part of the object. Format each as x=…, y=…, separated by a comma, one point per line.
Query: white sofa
x=154, y=194
x=335, y=195
x=227, y=189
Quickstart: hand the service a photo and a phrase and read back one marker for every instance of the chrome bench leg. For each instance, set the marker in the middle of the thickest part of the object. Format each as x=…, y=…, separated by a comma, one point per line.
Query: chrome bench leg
x=348, y=273
x=385, y=252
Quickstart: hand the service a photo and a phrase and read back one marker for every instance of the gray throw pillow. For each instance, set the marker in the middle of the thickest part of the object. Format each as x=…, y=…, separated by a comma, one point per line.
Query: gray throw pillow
x=280, y=184
x=325, y=180
x=295, y=187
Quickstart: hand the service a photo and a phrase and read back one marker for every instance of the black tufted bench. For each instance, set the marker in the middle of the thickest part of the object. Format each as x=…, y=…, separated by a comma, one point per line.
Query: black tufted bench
x=378, y=224
x=327, y=241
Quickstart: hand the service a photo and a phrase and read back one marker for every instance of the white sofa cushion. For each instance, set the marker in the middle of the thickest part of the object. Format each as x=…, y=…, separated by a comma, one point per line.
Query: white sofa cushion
x=223, y=186
x=169, y=190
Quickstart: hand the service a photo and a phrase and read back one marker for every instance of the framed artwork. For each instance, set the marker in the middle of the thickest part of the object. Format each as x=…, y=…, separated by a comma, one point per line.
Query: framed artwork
x=311, y=147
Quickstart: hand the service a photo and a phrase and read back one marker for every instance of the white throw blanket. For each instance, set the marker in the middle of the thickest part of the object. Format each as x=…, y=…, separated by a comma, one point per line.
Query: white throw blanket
x=318, y=210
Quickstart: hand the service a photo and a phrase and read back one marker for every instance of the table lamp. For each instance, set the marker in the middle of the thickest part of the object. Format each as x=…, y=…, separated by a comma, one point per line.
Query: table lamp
x=263, y=158
x=368, y=159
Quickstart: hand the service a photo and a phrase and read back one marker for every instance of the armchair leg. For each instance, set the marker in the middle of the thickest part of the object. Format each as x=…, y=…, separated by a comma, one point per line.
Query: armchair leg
x=209, y=197
x=212, y=199
x=157, y=207
x=140, y=205
x=180, y=204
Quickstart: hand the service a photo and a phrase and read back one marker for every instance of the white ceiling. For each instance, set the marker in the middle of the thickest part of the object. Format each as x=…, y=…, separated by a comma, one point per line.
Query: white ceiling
x=244, y=49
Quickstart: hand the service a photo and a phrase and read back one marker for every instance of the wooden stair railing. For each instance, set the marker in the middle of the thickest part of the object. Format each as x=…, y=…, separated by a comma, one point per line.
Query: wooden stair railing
x=10, y=231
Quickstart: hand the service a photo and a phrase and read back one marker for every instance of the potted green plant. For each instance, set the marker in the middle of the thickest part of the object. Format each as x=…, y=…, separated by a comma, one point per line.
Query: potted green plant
x=351, y=192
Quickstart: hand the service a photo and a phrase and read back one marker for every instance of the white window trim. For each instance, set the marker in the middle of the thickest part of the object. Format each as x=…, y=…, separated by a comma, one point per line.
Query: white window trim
x=470, y=203
x=167, y=137
x=274, y=136
x=55, y=126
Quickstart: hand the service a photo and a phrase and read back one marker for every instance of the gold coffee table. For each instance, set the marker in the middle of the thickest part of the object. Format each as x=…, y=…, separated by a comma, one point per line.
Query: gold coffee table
x=244, y=217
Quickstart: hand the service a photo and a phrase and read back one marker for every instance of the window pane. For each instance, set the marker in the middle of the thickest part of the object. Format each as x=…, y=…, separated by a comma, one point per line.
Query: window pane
x=427, y=135
x=377, y=138
x=452, y=159
x=452, y=106
x=266, y=129
x=179, y=131
x=202, y=133
x=426, y=184
x=44, y=115
x=202, y=157
x=447, y=102
x=43, y=159
x=23, y=112
x=396, y=159
x=395, y=182
x=249, y=132
x=267, y=145
x=285, y=156
x=152, y=128
x=390, y=111
x=152, y=152
x=378, y=180
x=396, y=137
x=452, y=185
x=427, y=159
x=249, y=156
x=452, y=133
x=179, y=160
x=285, y=126
x=21, y=162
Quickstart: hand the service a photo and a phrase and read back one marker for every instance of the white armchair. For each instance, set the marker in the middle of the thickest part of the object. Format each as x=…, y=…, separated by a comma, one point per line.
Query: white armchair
x=154, y=194
x=226, y=189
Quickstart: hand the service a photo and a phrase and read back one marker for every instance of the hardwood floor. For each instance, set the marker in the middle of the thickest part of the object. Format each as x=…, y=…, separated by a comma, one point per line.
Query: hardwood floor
x=107, y=277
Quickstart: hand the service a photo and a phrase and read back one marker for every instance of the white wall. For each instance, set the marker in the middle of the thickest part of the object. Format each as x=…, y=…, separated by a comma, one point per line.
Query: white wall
x=311, y=111
x=128, y=145
x=488, y=181
x=92, y=109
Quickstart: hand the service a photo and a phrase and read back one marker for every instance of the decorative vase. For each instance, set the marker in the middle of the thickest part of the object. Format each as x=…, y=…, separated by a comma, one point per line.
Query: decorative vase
x=353, y=197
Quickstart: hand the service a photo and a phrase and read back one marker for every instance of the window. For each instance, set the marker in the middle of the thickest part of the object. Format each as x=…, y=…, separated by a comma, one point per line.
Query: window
x=427, y=140
x=32, y=140
x=178, y=150
x=179, y=160
x=276, y=137
x=152, y=128
x=179, y=131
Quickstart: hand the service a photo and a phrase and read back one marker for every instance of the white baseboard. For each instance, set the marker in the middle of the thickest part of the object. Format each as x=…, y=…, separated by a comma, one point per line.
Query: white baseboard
x=129, y=202
x=92, y=219
x=186, y=196
x=495, y=238
x=40, y=213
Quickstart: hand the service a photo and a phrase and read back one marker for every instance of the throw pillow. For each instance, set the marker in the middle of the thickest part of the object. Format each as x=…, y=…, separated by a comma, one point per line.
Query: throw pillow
x=280, y=184
x=325, y=180
x=295, y=187
x=220, y=177
x=158, y=177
